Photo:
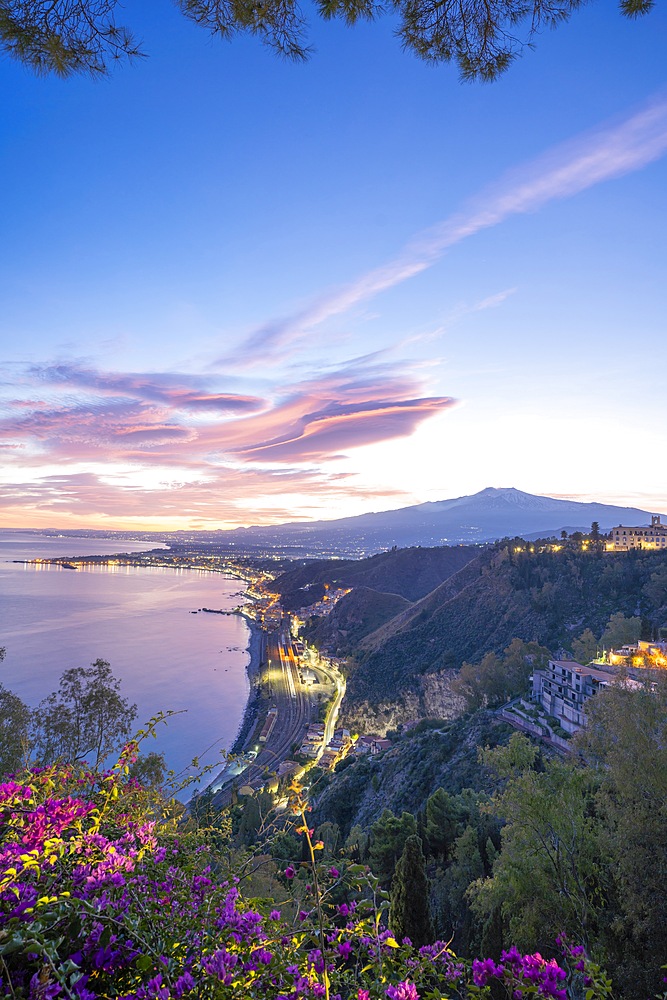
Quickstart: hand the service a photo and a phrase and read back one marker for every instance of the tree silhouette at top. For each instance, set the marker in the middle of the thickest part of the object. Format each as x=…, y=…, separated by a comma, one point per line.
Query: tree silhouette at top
x=81, y=36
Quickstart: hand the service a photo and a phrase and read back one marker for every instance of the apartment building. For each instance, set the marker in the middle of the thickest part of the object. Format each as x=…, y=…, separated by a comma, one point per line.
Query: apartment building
x=563, y=687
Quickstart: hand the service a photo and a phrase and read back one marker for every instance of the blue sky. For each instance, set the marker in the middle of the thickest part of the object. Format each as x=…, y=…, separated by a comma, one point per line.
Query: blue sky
x=235, y=289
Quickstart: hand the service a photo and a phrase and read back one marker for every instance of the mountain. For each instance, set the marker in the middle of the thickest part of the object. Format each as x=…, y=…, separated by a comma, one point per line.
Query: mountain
x=485, y=516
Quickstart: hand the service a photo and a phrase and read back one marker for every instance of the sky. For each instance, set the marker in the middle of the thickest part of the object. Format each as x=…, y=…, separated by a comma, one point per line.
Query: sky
x=237, y=290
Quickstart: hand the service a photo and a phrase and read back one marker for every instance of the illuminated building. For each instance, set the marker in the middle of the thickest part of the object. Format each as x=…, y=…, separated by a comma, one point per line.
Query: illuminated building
x=653, y=536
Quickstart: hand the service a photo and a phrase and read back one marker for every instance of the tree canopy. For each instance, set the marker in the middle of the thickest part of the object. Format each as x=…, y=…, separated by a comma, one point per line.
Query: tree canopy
x=85, y=719
x=81, y=36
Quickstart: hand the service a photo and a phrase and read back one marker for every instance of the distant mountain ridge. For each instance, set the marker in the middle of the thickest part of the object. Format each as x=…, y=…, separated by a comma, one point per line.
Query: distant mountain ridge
x=486, y=516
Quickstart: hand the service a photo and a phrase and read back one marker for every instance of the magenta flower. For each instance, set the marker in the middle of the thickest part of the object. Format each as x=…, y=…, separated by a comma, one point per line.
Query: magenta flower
x=290, y=872
x=483, y=970
x=403, y=991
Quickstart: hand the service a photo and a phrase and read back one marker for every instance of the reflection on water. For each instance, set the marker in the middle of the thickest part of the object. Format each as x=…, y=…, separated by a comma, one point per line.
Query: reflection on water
x=139, y=619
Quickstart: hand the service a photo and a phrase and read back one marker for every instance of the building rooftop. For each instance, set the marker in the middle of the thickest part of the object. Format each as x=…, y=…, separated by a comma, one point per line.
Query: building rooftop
x=578, y=668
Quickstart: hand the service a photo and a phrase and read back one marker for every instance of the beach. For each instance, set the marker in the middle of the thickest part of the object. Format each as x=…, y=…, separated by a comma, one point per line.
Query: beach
x=255, y=650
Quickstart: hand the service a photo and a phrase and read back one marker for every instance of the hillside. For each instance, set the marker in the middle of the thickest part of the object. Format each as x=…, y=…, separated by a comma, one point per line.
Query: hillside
x=411, y=573
x=548, y=597
x=355, y=616
x=431, y=756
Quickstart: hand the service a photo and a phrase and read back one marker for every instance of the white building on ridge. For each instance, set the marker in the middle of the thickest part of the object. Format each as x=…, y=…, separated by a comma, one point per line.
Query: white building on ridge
x=653, y=536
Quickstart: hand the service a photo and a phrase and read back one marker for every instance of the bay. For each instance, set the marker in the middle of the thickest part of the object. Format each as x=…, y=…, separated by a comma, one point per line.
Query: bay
x=140, y=620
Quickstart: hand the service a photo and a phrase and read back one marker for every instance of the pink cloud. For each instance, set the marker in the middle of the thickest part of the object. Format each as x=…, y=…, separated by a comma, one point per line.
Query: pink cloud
x=178, y=391
x=311, y=421
x=230, y=496
x=326, y=433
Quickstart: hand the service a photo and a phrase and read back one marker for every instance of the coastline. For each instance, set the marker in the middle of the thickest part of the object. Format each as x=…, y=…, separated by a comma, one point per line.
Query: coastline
x=61, y=618
x=255, y=650
x=255, y=644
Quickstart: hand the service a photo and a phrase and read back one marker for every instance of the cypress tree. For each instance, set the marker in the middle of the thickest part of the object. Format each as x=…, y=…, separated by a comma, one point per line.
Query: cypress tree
x=409, y=914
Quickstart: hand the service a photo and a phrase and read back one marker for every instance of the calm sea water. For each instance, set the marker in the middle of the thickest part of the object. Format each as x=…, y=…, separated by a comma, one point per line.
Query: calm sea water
x=140, y=621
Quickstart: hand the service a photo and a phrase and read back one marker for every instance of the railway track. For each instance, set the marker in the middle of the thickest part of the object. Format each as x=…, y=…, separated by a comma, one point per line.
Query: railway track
x=294, y=707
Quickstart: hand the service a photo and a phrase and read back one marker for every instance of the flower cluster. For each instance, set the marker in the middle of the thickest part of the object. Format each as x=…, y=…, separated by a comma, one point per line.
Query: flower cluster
x=100, y=900
x=525, y=973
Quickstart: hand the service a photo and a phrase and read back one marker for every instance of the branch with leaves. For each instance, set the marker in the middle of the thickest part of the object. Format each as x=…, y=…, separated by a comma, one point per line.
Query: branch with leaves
x=482, y=37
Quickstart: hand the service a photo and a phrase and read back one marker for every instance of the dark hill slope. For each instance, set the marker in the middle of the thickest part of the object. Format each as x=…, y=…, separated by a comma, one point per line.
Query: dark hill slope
x=431, y=603
x=411, y=573
x=356, y=615
x=547, y=597
x=405, y=776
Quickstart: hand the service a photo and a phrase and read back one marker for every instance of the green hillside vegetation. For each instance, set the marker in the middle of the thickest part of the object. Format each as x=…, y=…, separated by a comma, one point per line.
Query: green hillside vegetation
x=545, y=597
x=432, y=755
x=520, y=843
x=412, y=573
x=357, y=614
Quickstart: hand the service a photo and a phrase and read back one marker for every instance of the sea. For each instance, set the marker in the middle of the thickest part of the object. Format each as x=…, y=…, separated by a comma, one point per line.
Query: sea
x=138, y=619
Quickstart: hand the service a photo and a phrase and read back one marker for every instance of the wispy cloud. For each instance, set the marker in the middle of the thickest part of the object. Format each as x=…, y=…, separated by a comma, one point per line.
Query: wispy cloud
x=567, y=170
x=177, y=390
x=457, y=314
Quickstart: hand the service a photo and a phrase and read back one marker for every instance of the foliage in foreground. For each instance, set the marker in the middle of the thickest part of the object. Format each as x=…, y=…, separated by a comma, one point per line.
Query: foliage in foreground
x=101, y=896
x=82, y=36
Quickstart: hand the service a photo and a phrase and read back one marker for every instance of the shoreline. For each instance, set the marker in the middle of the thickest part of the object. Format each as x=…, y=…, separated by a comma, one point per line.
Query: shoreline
x=255, y=650
x=256, y=638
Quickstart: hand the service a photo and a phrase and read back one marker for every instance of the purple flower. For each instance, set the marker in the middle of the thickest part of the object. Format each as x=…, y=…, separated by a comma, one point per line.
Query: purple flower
x=334, y=872
x=344, y=949
x=403, y=991
x=183, y=984
x=154, y=988
x=220, y=965
x=79, y=988
x=290, y=872
x=43, y=990
x=274, y=915
x=484, y=970
x=513, y=956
